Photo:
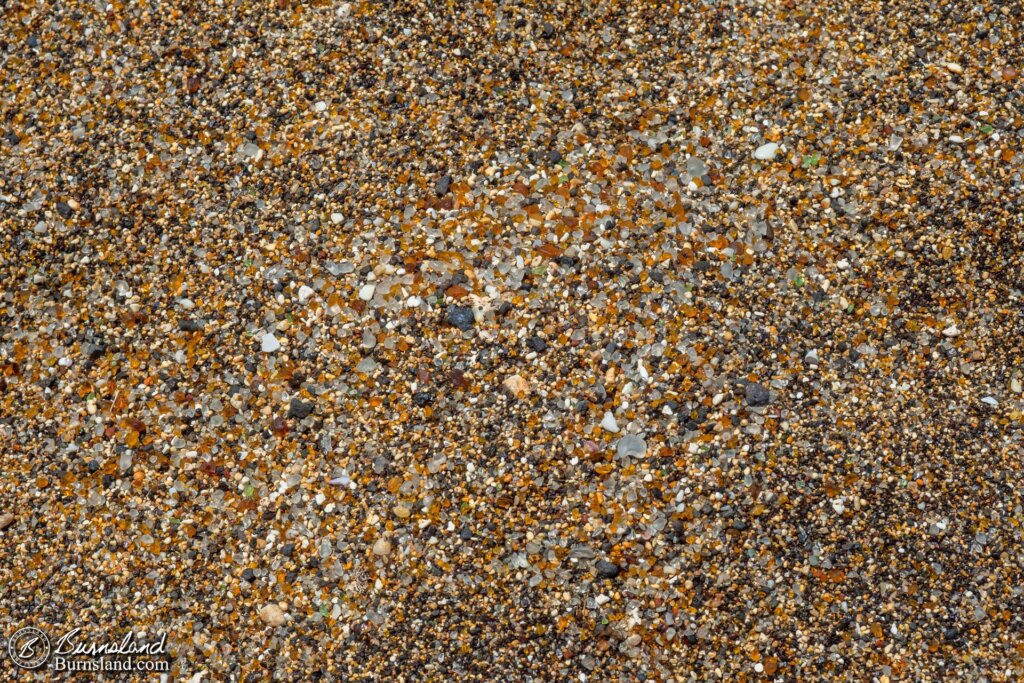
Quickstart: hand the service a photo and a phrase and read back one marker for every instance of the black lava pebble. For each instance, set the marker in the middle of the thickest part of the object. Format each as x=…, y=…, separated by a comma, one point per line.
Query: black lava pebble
x=460, y=317
x=757, y=395
x=607, y=570
x=444, y=183
x=299, y=409
x=537, y=344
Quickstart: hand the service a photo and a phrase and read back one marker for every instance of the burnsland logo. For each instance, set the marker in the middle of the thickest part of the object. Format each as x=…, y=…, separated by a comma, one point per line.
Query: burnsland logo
x=29, y=648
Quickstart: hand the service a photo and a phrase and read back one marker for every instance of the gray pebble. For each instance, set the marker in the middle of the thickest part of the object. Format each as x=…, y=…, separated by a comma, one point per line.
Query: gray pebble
x=757, y=395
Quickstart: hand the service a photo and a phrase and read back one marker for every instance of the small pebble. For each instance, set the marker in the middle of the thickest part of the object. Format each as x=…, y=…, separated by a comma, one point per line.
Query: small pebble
x=461, y=317
x=757, y=395
x=443, y=185
x=269, y=343
x=516, y=385
x=582, y=552
x=607, y=570
x=367, y=291
x=632, y=446
x=537, y=344
x=766, y=152
x=299, y=409
x=696, y=167
x=272, y=615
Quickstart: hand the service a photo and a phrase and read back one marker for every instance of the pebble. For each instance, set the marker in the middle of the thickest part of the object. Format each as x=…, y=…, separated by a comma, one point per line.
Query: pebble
x=696, y=167
x=607, y=570
x=516, y=385
x=6, y=519
x=272, y=615
x=342, y=268
x=609, y=424
x=757, y=395
x=382, y=547
x=537, y=344
x=250, y=151
x=461, y=317
x=582, y=552
x=269, y=343
x=299, y=409
x=632, y=446
x=442, y=186
x=766, y=152
x=367, y=291
x=305, y=292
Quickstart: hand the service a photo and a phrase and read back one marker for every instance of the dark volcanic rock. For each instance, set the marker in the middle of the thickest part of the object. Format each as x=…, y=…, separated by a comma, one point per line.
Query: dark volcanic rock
x=299, y=409
x=460, y=317
x=607, y=570
x=757, y=395
x=444, y=183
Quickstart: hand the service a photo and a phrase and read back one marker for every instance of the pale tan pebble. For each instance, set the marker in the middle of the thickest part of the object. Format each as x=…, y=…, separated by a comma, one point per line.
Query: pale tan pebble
x=516, y=385
x=273, y=615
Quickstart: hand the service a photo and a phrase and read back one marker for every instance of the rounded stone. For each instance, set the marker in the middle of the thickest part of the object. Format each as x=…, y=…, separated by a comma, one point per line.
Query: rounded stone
x=631, y=446
x=273, y=615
